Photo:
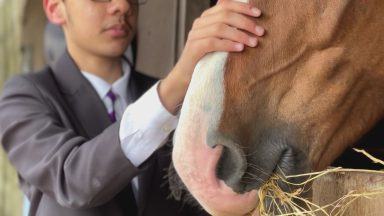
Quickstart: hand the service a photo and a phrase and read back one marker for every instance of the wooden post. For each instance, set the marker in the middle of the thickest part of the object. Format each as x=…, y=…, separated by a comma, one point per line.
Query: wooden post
x=162, y=31
x=32, y=35
x=10, y=57
x=333, y=186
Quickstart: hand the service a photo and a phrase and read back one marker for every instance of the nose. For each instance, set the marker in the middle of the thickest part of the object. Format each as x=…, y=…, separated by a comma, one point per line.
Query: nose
x=120, y=7
x=232, y=164
x=245, y=170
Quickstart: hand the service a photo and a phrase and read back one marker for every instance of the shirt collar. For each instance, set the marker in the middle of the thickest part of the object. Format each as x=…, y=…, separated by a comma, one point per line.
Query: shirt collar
x=119, y=87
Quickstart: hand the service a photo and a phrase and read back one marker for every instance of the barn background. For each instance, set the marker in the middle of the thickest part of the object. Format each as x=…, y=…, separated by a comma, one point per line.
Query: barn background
x=163, y=27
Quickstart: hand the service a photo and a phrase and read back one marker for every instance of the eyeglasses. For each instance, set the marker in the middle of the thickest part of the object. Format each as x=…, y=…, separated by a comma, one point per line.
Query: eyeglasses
x=134, y=2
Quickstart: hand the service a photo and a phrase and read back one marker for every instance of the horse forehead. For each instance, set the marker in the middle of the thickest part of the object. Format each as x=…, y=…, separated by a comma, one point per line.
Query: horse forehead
x=229, y=81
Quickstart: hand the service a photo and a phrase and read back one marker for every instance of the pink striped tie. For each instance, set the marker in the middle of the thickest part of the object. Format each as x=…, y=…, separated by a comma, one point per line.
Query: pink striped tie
x=112, y=114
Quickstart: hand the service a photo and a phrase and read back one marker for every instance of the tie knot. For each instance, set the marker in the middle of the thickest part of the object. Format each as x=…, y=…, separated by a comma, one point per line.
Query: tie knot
x=111, y=96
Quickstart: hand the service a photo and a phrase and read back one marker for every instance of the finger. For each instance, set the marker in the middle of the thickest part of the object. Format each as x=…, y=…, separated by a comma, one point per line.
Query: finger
x=234, y=6
x=232, y=19
x=208, y=45
x=223, y=31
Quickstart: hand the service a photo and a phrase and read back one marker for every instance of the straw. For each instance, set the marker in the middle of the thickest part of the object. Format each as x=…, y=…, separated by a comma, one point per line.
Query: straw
x=276, y=201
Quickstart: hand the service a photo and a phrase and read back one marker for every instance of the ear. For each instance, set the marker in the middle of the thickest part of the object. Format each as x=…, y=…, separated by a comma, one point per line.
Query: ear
x=54, y=11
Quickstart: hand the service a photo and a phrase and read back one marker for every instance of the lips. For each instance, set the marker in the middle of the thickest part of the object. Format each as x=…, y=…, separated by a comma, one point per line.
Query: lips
x=117, y=30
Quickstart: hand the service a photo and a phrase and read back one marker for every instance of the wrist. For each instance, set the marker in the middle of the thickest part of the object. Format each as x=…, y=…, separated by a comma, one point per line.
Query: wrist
x=172, y=90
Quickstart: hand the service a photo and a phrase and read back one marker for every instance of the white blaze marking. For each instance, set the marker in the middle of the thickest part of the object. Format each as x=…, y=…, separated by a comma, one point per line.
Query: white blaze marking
x=201, y=112
x=203, y=104
x=205, y=94
x=202, y=109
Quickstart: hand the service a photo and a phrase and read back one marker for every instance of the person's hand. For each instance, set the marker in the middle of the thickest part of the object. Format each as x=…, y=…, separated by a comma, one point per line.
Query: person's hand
x=228, y=26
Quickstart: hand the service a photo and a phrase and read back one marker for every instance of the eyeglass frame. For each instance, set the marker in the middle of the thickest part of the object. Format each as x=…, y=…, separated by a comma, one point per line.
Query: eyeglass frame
x=136, y=2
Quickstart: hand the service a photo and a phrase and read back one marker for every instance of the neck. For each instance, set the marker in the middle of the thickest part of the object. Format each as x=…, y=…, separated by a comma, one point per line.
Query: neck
x=107, y=68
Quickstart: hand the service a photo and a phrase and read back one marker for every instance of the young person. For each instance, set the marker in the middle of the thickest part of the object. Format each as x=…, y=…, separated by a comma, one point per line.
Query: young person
x=87, y=135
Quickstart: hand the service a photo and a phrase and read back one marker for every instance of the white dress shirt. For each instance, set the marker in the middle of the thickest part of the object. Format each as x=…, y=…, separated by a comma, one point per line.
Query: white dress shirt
x=145, y=124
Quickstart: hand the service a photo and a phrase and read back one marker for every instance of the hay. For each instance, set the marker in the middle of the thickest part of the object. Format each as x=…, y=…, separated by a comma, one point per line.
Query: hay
x=275, y=201
x=375, y=160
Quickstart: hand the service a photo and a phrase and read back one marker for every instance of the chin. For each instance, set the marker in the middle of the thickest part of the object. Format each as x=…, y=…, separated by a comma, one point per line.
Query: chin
x=115, y=49
x=114, y=53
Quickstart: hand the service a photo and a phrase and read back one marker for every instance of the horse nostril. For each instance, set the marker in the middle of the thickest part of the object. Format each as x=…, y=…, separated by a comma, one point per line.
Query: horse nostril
x=231, y=168
x=292, y=162
x=246, y=171
x=268, y=160
x=232, y=164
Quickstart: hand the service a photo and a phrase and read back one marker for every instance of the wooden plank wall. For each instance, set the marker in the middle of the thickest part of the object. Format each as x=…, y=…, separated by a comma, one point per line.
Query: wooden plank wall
x=10, y=55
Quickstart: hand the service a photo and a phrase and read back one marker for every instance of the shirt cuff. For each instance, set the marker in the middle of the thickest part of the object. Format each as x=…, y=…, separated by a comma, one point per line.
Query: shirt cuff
x=145, y=126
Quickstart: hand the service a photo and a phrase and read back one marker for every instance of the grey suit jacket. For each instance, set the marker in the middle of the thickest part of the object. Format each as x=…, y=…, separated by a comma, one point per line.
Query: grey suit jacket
x=57, y=134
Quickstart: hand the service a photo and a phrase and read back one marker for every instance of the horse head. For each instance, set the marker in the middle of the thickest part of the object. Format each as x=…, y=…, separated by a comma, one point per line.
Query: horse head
x=312, y=88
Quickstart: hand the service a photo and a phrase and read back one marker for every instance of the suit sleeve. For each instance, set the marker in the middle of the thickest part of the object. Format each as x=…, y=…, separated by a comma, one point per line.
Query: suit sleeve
x=76, y=172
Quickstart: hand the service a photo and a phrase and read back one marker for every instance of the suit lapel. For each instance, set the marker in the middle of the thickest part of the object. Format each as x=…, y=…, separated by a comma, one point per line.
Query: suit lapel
x=81, y=97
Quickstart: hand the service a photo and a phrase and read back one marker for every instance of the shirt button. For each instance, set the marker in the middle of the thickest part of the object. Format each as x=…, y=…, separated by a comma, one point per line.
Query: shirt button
x=139, y=135
x=166, y=129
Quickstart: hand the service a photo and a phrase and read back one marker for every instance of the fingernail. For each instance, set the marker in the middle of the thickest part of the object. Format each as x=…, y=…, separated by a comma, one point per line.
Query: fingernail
x=259, y=31
x=256, y=11
x=252, y=42
x=239, y=47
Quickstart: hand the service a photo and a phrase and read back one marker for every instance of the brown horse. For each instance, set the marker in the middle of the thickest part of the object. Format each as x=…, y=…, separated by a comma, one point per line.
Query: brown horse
x=312, y=89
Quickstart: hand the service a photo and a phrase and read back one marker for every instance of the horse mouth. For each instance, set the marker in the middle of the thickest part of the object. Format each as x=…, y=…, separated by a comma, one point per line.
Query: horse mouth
x=217, y=171
x=244, y=182
x=197, y=176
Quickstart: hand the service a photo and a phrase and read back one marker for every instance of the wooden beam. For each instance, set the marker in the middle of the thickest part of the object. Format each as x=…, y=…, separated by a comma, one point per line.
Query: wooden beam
x=163, y=29
x=331, y=187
